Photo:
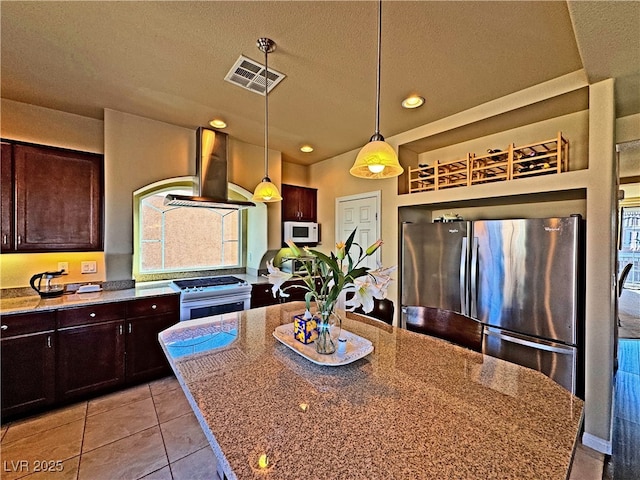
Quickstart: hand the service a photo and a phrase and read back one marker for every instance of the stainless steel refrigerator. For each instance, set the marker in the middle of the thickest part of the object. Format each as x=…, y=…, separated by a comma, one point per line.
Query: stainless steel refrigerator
x=521, y=278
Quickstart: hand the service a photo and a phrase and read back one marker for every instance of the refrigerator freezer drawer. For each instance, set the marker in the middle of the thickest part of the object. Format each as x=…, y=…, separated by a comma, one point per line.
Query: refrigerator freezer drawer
x=556, y=360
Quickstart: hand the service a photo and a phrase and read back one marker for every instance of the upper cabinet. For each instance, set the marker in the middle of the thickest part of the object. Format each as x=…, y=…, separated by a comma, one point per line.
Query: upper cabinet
x=52, y=199
x=299, y=204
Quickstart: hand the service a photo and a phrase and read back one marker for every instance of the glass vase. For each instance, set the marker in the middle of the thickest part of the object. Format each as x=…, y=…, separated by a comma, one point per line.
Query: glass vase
x=329, y=325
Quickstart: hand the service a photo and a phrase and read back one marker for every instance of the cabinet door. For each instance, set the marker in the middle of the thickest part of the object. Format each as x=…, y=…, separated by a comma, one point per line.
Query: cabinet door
x=6, y=201
x=307, y=206
x=299, y=204
x=90, y=359
x=291, y=203
x=262, y=296
x=28, y=372
x=145, y=359
x=58, y=199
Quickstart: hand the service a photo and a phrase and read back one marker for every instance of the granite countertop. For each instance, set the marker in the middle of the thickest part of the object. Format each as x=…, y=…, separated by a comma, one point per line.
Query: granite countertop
x=416, y=407
x=33, y=303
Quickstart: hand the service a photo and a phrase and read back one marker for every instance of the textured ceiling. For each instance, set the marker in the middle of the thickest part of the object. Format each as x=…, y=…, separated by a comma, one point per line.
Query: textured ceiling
x=167, y=61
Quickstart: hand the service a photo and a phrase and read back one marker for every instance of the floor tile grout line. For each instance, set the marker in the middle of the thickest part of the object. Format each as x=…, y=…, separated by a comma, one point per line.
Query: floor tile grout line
x=84, y=429
x=164, y=445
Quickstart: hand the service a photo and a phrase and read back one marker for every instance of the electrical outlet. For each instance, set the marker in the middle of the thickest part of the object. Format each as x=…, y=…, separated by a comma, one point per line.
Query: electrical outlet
x=64, y=266
x=88, y=267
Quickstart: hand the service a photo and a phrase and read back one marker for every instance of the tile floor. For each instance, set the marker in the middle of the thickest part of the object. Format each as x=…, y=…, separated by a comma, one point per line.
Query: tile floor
x=146, y=432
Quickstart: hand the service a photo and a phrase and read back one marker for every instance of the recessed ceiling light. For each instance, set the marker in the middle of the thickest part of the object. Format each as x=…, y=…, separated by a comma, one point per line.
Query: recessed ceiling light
x=306, y=148
x=413, y=101
x=217, y=123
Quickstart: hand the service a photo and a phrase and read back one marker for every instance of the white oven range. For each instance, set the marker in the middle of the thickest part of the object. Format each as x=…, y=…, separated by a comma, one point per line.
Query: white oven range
x=202, y=297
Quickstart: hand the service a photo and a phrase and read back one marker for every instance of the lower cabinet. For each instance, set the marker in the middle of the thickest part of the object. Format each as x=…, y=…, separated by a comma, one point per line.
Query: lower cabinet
x=90, y=359
x=262, y=296
x=27, y=362
x=55, y=357
x=146, y=318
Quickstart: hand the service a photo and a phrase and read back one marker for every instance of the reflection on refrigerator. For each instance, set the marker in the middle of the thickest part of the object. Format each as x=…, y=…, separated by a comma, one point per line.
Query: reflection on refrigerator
x=521, y=278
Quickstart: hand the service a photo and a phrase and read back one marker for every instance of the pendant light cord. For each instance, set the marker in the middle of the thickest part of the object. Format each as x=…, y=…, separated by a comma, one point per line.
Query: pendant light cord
x=266, y=113
x=377, y=132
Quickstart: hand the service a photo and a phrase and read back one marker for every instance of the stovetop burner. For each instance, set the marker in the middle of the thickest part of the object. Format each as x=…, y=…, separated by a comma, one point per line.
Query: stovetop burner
x=208, y=282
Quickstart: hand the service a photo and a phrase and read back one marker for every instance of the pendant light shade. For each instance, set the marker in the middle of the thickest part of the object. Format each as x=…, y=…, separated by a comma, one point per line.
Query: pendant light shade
x=266, y=191
x=377, y=159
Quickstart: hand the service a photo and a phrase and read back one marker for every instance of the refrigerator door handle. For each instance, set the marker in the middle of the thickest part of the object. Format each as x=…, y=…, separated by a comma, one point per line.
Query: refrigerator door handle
x=463, y=277
x=473, y=294
x=527, y=343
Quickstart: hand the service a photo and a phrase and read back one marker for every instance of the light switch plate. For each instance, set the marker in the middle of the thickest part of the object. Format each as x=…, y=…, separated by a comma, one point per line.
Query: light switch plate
x=88, y=267
x=64, y=266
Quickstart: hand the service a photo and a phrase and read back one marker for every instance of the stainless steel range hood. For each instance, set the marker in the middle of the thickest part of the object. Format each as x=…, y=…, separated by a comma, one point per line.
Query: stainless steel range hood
x=211, y=169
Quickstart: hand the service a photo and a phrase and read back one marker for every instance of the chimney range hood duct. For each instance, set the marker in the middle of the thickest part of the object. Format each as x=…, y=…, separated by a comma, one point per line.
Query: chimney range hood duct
x=211, y=170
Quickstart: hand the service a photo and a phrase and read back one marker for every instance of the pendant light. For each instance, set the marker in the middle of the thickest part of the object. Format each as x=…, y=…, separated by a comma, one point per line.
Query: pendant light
x=266, y=191
x=377, y=159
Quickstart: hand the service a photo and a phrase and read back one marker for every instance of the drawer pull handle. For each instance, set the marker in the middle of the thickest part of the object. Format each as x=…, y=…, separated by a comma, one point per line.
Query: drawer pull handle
x=154, y=306
x=5, y=239
x=19, y=239
x=121, y=330
x=49, y=341
x=92, y=314
x=5, y=327
x=130, y=328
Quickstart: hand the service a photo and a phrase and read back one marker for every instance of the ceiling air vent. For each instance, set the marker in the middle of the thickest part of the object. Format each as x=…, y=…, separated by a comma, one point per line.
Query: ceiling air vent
x=248, y=74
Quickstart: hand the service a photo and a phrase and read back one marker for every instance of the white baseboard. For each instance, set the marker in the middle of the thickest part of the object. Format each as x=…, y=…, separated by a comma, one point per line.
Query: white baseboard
x=596, y=443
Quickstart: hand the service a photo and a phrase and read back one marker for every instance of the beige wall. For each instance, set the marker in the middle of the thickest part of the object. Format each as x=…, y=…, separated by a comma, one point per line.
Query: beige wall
x=293, y=174
x=574, y=126
x=628, y=130
x=30, y=123
x=246, y=169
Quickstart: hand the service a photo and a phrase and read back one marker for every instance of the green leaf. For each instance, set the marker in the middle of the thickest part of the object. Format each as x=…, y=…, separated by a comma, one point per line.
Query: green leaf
x=347, y=244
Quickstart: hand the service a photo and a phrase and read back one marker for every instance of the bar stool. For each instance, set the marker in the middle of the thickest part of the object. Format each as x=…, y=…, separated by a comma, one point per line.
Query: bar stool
x=445, y=324
x=382, y=310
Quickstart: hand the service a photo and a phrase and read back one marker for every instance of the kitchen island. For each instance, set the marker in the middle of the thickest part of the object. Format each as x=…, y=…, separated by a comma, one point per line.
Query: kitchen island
x=416, y=407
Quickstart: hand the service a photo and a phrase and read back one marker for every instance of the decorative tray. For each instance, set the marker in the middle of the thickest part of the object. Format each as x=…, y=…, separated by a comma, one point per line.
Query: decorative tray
x=357, y=347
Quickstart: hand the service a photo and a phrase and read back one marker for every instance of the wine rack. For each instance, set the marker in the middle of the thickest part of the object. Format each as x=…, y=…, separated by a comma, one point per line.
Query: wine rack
x=540, y=158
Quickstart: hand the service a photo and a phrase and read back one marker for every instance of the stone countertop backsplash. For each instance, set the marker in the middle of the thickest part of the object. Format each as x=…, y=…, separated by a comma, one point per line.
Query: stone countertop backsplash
x=25, y=300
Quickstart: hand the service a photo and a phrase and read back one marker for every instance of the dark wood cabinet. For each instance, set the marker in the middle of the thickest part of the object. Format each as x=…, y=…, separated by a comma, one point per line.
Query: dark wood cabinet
x=27, y=362
x=91, y=342
x=6, y=201
x=145, y=359
x=299, y=204
x=55, y=198
x=262, y=296
x=90, y=359
x=54, y=357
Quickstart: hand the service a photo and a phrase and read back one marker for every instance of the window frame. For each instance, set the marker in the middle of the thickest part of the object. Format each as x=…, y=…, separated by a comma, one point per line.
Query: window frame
x=188, y=184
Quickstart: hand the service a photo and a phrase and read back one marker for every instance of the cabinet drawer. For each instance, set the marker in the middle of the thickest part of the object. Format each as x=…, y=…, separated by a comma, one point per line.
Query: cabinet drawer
x=261, y=295
x=92, y=314
x=23, y=323
x=152, y=306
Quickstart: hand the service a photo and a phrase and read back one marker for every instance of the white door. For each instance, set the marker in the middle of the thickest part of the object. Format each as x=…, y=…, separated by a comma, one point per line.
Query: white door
x=360, y=211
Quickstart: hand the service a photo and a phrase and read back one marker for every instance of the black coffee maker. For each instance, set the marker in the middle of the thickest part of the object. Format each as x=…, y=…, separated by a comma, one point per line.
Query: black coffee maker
x=50, y=288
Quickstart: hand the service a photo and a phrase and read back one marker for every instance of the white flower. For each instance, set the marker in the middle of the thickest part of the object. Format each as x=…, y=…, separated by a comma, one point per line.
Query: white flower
x=277, y=277
x=364, y=291
x=382, y=278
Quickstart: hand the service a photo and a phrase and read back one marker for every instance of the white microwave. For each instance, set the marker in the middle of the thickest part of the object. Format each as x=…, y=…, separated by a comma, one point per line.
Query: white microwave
x=301, y=232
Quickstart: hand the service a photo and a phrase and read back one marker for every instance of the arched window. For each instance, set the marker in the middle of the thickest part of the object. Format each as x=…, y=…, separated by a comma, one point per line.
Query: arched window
x=171, y=239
